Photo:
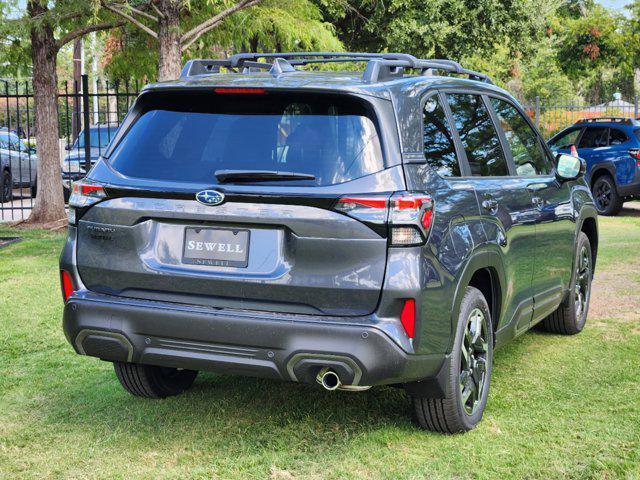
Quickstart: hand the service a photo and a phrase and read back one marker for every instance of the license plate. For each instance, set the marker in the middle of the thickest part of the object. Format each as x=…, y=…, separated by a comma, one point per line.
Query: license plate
x=220, y=247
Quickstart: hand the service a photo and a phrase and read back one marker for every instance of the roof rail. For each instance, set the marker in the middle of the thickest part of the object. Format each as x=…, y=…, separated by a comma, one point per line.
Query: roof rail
x=380, y=66
x=624, y=120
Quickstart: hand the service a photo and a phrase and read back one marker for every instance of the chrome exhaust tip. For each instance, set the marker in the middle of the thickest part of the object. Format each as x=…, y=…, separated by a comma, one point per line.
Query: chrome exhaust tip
x=328, y=379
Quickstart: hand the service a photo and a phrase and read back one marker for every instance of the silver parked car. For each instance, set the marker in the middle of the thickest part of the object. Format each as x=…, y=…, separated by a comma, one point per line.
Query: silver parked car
x=19, y=165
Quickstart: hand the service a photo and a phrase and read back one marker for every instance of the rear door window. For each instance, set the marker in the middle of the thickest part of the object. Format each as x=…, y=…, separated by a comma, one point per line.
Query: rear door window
x=617, y=137
x=595, y=137
x=187, y=137
x=527, y=150
x=439, y=146
x=478, y=135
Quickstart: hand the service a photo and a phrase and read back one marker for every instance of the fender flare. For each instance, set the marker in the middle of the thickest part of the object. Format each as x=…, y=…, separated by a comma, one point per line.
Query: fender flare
x=479, y=259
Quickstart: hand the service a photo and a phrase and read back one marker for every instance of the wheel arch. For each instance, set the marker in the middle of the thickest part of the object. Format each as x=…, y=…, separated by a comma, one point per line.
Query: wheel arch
x=589, y=226
x=485, y=272
x=599, y=170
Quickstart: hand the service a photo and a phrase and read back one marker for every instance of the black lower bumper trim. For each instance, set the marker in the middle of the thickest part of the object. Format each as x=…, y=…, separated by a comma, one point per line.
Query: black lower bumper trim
x=169, y=335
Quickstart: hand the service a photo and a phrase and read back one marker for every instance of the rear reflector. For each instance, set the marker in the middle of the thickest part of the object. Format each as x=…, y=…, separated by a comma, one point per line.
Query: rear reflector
x=408, y=317
x=241, y=91
x=67, y=285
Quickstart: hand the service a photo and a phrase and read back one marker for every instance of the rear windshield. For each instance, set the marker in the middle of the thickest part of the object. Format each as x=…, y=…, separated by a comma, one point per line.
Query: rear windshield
x=188, y=137
x=99, y=137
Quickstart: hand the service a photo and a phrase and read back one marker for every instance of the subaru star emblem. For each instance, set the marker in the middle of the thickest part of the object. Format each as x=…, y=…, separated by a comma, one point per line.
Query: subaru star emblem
x=210, y=197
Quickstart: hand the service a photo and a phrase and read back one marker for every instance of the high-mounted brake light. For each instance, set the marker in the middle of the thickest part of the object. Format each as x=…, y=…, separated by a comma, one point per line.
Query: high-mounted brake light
x=240, y=91
x=67, y=285
x=408, y=317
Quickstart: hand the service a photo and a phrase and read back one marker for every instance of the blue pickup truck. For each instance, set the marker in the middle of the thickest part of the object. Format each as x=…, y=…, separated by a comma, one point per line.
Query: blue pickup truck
x=611, y=148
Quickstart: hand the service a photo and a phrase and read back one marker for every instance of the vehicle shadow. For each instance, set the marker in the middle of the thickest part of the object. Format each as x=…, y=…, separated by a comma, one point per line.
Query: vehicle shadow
x=630, y=210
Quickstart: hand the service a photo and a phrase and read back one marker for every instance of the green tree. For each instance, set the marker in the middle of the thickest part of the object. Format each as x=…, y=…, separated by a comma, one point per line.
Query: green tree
x=441, y=28
x=49, y=25
x=175, y=25
x=591, y=52
x=274, y=25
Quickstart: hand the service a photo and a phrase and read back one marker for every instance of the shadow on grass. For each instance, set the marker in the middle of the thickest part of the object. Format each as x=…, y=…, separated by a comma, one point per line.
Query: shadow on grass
x=242, y=411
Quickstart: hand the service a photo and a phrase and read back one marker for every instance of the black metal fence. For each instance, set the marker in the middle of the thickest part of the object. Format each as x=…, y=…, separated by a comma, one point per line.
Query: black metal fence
x=554, y=115
x=89, y=114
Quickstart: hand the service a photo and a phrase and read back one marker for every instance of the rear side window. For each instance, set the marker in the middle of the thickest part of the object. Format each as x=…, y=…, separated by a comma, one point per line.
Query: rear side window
x=566, y=140
x=595, y=137
x=617, y=137
x=526, y=147
x=439, y=147
x=478, y=135
x=187, y=137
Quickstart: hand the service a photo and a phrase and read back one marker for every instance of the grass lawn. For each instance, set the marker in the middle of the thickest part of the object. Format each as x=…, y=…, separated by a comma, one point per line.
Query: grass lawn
x=559, y=407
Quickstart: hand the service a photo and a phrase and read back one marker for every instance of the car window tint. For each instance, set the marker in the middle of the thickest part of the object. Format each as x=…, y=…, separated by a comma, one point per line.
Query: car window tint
x=528, y=153
x=188, y=136
x=566, y=140
x=478, y=135
x=595, y=137
x=439, y=147
x=617, y=137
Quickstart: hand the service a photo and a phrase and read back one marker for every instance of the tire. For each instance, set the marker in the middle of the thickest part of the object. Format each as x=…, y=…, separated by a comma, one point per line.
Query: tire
x=571, y=316
x=153, y=382
x=452, y=414
x=6, y=187
x=605, y=196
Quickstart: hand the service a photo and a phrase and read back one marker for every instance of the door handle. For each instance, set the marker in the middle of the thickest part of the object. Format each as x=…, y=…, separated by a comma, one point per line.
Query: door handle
x=490, y=204
x=538, y=202
x=534, y=187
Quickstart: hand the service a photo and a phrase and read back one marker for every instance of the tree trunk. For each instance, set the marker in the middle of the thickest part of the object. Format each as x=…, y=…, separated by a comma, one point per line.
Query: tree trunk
x=49, y=203
x=169, y=46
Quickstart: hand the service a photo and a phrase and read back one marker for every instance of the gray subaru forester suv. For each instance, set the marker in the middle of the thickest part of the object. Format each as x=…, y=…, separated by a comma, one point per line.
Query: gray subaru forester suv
x=351, y=229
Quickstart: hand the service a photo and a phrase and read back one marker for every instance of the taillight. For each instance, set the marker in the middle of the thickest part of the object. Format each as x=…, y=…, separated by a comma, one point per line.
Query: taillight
x=410, y=218
x=408, y=317
x=367, y=208
x=67, y=285
x=409, y=215
x=83, y=195
x=635, y=153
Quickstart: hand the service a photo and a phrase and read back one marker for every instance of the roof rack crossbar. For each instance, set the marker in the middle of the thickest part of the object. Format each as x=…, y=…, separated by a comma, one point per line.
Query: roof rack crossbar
x=380, y=66
x=605, y=119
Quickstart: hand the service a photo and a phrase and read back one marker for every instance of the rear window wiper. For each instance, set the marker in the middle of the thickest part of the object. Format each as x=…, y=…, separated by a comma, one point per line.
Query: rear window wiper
x=224, y=176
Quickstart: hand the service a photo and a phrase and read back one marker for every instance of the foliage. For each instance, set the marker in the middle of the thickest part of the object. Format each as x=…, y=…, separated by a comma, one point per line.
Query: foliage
x=274, y=25
x=591, y=50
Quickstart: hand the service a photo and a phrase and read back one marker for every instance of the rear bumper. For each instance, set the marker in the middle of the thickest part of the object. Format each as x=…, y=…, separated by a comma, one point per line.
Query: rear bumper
x=242, y=342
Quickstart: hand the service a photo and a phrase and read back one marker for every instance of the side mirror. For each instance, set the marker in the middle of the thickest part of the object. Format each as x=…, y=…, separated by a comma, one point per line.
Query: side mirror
x=569, y=167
